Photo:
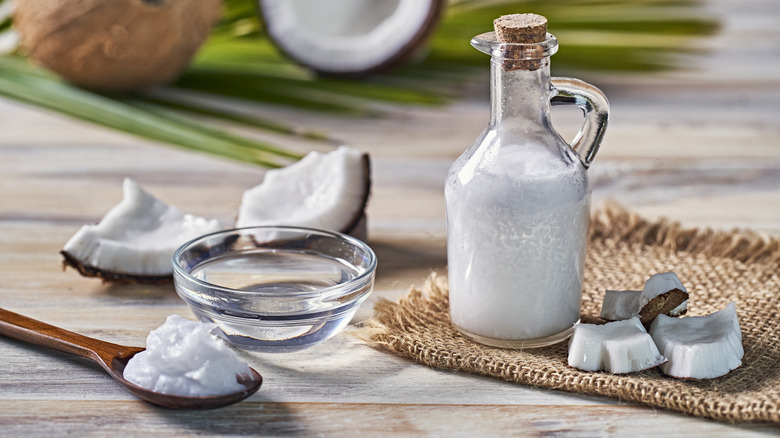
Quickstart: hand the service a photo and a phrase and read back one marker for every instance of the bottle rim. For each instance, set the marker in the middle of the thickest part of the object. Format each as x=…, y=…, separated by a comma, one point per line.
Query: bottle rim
x=487, y=44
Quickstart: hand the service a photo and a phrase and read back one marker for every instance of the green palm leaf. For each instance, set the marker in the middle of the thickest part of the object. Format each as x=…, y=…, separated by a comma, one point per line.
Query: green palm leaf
x=20, y=81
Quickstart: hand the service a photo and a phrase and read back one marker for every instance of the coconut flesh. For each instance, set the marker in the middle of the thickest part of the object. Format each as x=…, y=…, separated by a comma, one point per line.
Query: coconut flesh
x=328, y=191
x=617, y=347
x=663, y=294
x=700, y=347
x=620, y=304
x=135, y=240
x=115, y=45
x=350, y=37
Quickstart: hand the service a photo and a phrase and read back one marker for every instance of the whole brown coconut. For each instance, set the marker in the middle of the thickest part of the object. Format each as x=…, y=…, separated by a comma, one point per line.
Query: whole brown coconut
x=115, y=45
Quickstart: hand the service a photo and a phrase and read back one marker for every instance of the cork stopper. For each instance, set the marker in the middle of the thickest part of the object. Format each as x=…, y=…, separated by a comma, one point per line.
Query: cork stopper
x=521, y=29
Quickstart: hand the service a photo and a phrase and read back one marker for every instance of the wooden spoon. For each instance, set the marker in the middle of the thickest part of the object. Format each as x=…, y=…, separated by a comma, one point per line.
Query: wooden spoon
x=113, y=358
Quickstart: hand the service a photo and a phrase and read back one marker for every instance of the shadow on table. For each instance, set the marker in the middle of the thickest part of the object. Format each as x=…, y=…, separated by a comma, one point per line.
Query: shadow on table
x=139, y=292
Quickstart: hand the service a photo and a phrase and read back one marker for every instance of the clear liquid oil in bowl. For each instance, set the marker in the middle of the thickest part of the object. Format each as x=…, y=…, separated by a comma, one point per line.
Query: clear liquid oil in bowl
x=275, y=271
x=285, y=322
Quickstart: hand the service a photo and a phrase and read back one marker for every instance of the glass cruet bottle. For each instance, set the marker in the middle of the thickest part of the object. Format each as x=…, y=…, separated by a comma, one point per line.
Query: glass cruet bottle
x=518, y=200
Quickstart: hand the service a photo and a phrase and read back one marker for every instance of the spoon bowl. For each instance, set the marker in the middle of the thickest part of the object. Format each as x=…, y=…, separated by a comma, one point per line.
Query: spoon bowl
x=113, y=358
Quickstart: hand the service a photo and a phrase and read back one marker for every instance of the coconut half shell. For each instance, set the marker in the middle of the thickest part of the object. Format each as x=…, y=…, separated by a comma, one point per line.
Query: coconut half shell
x=663, y=294
x=327, y=191
x=350, y=37
x=135, y=240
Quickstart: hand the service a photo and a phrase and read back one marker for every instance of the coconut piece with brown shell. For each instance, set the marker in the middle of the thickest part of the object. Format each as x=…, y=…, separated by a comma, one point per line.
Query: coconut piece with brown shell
x=328, y=191
x=663, y=294
x=115, y=45
x=135, y=240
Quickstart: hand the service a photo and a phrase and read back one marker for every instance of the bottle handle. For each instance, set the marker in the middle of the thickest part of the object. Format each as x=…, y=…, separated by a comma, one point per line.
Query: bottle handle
x=594, y=105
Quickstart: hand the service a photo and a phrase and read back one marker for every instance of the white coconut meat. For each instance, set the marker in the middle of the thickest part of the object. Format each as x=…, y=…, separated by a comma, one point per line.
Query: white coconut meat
x=135, y=240
x=700, y=347
x=617, y=347
x=620, y=304
x=350, y=37
x=327, y=191
x=663, y=293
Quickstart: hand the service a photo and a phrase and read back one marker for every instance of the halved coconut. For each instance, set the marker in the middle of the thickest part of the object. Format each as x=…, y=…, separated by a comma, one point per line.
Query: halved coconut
x=617, y=347
x=663, y=294
x=700, y=347
x=327, y=191
x=135, y=240
x=350, y=37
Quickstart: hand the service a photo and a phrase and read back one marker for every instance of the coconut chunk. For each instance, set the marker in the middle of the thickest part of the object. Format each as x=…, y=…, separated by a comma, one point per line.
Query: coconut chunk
x=323, y=190
x=700, y=347
x=663, y=293
x=620, y=304
x=617, y=347
x=135, y=240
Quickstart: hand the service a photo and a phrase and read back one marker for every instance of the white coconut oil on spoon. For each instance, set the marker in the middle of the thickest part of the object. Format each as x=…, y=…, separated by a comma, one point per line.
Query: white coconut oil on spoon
x=114, y=358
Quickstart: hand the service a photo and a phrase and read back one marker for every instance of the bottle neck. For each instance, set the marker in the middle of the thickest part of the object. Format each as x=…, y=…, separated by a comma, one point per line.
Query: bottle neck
x=519, y=97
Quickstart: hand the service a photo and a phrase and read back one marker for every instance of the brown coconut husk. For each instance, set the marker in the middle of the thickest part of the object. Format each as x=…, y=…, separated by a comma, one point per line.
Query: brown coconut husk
x=68, y=260
x=115, y=45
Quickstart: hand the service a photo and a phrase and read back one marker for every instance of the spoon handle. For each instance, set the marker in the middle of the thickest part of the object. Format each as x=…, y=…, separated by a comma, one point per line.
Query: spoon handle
x=36, y=332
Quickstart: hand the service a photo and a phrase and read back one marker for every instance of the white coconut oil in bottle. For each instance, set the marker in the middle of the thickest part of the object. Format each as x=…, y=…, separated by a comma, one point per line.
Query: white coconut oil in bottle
x=518, y=200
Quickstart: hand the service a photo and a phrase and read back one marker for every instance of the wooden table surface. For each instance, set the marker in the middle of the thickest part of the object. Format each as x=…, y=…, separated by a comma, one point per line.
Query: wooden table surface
x=701, y=146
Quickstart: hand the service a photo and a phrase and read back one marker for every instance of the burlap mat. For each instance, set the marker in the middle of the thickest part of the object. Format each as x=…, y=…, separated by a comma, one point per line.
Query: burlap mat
x=624, y=250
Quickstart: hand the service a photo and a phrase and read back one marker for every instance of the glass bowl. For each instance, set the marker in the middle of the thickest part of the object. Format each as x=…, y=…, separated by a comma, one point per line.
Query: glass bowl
x=272, y=288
